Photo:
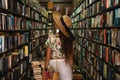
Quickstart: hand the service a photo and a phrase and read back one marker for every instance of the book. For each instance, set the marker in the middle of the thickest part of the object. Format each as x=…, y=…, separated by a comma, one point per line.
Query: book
x=9, y=42
x=109, y=72
x=15, y=58
x=106, y=54
x=110, y=56
x=6, y=4
x=117, y=58
x=117, y=76
x=113, y=58
x=0, y=21
x=20, y=51
x=23, y=10
x=109, y=16
x=9, y=62
x=117, y=17
x=116, y=2
x=103, y=6
x=26, y=50
x=105, y=38
x=101, y=36
x=28, y=12
x=16, y=73
x=108, y=37
x=105, y=70
x=2, y=43
x=10, y=4
x=118, y=39
x=5, y=42
x=5, y=65
x=1, y=66
x=3, y=21
x=113, y=37
x=3, y=3
x=100, y=52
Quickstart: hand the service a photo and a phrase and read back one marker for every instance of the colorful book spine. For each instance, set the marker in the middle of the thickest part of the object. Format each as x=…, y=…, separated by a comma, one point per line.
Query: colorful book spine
x=26, y=50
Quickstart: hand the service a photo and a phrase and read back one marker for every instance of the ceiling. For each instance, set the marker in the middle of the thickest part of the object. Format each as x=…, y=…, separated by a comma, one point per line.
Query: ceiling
x=60, y=4
x=57, y=3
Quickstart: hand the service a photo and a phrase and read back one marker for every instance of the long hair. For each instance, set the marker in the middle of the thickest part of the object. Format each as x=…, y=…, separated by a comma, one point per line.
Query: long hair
x=67, y=45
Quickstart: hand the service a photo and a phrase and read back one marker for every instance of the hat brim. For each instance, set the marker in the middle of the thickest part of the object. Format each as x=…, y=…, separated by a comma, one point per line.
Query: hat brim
x=56, y=18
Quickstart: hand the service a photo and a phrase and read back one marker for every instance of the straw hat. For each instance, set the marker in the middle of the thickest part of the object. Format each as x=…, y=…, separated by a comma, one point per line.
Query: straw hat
x=57, y=18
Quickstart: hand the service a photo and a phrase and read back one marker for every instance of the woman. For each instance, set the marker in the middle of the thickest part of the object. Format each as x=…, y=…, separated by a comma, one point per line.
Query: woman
x=59, y=53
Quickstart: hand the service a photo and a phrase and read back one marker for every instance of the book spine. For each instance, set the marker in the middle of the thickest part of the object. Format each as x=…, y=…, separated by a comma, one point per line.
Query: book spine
x=26, y=50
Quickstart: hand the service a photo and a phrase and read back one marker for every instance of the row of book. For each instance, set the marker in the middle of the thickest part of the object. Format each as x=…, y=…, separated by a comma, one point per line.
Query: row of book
x=109, y=3
x=37, y=53
x=89, y=2
x=10, y=22
x=20, y=8
x=111, y=17
x=38, y=42
x=104, y=57
x=99, y=4
x=109, y=37
x=102, y=4
x=107, y=74
x=14, y=60
x=37, y=33
x=92, y=9
x=16, y=74
x=98, y=68
x=36, y=45
x=107, y=19
x=8, y=41
x=78, y=9
x=40, y=51
x=105, y=53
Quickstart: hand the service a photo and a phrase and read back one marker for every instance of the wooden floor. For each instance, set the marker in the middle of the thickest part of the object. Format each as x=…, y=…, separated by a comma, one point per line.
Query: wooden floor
x=38, y=76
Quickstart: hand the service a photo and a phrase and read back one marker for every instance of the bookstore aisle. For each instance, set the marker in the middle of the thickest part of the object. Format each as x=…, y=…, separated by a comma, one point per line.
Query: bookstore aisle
x=24, y=26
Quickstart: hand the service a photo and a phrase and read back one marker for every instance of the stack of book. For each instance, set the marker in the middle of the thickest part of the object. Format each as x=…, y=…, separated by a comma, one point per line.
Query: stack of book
x=37, y=70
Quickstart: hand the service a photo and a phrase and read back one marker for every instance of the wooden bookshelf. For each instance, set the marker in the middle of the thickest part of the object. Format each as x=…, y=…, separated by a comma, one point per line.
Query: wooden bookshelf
x=22, y=35
x=97, y=31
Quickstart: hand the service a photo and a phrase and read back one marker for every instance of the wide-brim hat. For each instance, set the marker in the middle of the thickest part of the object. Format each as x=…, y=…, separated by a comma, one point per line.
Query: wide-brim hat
x=66, y=19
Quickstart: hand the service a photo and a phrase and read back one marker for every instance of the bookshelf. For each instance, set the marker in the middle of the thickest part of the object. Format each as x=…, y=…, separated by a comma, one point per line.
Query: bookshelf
x=97, y=30
x=22, y=35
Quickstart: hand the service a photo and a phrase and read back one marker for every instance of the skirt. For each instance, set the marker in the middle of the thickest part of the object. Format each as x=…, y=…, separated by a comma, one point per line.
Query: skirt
x=64, y=69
